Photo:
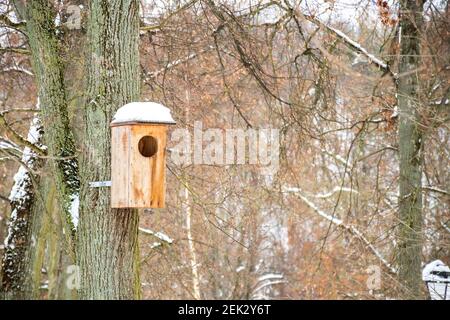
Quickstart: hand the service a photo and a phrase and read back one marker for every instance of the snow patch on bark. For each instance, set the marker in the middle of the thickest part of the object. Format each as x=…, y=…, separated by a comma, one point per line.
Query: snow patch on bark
x=74, y=209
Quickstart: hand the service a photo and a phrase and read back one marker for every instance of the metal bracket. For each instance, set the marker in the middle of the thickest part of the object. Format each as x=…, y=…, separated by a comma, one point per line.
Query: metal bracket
x=99, y=184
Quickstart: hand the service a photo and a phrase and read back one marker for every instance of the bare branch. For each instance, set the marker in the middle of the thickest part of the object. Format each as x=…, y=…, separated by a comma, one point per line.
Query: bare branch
x=176, y=62
x=166, y=19
x=436, y=190
x=349, y=228
x=353, y=45
x=7, y=22
x=18, y=138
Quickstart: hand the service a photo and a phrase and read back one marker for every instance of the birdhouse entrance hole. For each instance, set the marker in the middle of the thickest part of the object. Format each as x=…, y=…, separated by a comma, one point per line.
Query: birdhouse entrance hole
x=148, y=146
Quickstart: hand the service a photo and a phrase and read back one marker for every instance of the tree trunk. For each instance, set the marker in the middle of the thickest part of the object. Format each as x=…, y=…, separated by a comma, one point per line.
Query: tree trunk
x=108, y=238
x=49, y=71
x=17, y=244
x=410, y=149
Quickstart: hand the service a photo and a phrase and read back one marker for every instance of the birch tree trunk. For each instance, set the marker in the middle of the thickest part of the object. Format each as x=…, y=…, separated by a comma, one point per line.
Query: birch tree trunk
x=187, y=210
x=108, y=238
x=410, y=148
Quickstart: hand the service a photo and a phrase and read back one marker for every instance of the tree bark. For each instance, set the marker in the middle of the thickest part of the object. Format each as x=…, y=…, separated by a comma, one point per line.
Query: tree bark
x=48, y=68
x=410, y=149
x=15, y=260
x=108, y=238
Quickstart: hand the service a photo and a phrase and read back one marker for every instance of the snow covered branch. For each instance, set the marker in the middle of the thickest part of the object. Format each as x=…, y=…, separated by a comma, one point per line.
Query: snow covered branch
x=336, y=157
x=340, y=223
x=174, y=63
x=159, y=235
x=353, y=45
x=9, y=146
x=16, y=68
x=265, y=281
x=19, y=139
x=325, y=194
x=336, y=189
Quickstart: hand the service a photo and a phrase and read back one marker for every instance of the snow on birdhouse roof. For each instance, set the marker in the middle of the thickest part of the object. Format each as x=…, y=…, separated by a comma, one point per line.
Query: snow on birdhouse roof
x=436, y=275
x=436, y=271
x=143, y=112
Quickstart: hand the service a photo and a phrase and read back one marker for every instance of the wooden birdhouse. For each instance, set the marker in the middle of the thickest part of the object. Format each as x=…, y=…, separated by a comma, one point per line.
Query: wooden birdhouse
x=138, y=152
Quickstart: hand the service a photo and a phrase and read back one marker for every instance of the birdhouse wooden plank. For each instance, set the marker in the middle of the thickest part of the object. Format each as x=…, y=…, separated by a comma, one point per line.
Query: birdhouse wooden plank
x=138, y=155
x=120, y=154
